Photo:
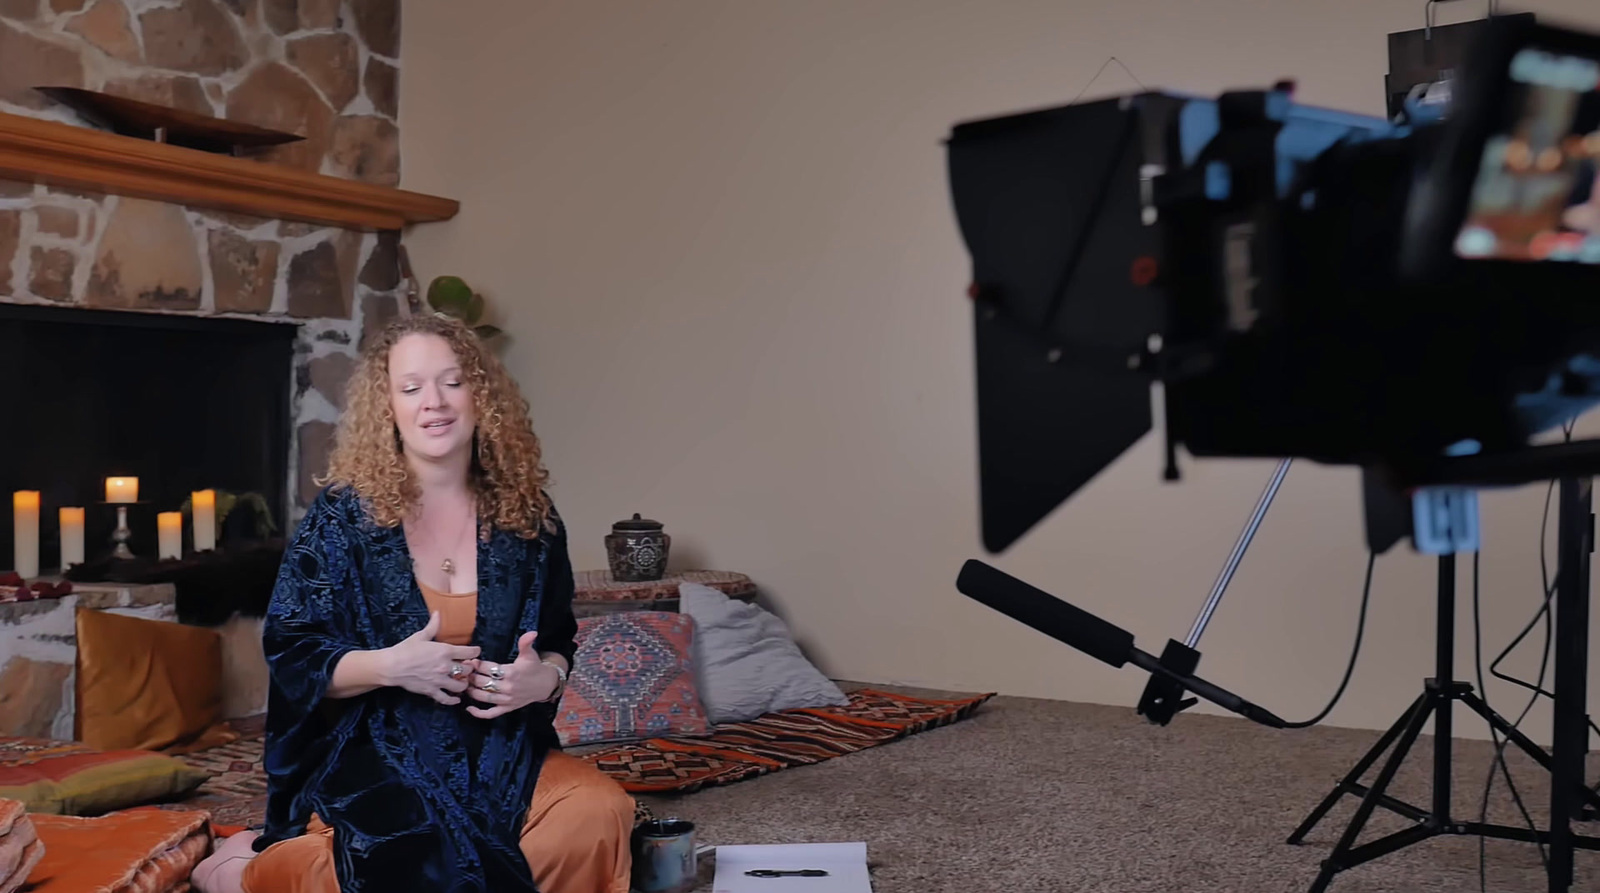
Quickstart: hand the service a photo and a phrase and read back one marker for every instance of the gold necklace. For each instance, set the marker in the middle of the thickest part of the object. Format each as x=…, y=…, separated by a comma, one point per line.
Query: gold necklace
x=448, y=565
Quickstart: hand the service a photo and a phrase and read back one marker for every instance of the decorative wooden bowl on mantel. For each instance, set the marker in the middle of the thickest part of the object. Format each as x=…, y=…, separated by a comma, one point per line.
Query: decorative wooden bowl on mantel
x=162, y=124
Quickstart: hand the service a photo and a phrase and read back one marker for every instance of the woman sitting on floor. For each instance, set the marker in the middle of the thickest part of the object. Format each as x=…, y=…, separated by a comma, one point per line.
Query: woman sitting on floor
x=419, y=637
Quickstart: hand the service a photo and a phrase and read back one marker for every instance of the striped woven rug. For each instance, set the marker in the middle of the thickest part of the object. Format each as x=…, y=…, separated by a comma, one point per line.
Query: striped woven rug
x=776, y=741
x=236, y=794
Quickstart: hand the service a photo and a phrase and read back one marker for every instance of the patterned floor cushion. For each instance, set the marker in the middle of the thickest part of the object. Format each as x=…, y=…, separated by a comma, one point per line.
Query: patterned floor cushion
x=70, y=778
x=134, y=851
x=634, y=678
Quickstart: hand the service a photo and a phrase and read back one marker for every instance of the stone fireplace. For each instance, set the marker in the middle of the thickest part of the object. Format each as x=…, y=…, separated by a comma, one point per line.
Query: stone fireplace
x=327, y=70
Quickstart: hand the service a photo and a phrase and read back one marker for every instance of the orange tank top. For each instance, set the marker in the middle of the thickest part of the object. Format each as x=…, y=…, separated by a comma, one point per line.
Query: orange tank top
x=458, y=613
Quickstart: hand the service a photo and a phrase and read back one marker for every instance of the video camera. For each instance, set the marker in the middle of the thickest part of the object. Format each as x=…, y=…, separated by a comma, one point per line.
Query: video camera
x=1301, y=282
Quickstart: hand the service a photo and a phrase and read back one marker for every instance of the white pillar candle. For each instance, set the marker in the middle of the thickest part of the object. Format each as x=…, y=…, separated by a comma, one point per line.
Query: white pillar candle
x=169, y=530
x=122, y=489
x=71, y=536
x=203, y=507
x=25, y=533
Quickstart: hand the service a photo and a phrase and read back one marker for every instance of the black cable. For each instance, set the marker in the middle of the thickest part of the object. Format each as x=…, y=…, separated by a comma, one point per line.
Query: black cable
x=1543, y=612
x=1494, y=736
x=1549, y=594
x=1101, y=69
x=1500, y=749
x=1544, y=606
x=1537, y=688
x=1361, y=626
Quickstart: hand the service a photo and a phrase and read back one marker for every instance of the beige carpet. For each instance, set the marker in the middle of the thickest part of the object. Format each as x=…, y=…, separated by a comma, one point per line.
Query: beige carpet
x=1033, y=795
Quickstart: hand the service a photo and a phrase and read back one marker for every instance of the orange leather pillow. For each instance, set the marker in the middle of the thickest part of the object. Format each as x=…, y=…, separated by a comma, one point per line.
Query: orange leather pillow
x=148, y=684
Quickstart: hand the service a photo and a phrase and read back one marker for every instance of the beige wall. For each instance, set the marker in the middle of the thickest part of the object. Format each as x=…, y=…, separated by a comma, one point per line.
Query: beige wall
x=722, y=238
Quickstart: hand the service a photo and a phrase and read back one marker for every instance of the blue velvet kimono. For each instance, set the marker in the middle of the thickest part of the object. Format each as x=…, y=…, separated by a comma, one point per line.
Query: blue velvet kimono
x=420, y=796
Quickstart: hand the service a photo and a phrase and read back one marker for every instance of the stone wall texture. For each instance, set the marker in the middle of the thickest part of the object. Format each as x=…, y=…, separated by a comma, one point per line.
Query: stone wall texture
x=325, y=69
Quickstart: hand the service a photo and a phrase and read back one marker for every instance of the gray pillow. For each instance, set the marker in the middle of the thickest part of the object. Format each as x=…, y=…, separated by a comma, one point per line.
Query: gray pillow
x=747, y=662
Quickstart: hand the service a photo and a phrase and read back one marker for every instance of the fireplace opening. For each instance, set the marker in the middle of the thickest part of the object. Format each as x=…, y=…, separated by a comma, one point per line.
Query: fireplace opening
x=182, y=403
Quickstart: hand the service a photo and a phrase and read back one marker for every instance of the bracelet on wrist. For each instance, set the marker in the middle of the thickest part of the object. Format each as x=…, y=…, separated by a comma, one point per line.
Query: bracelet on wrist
x=561, y=679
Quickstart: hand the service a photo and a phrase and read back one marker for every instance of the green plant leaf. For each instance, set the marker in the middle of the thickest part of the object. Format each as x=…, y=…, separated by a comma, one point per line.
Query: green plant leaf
x=487, y=332
x=474, y=309
x=450, y=295
x=257, y=504
x=225, y=503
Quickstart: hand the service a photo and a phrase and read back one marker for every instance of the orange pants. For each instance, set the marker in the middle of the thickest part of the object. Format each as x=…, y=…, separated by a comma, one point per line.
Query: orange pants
x=577, y=839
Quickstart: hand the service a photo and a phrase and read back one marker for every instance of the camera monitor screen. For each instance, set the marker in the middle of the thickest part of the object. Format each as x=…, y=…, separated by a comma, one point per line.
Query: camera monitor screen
x=1536, y=195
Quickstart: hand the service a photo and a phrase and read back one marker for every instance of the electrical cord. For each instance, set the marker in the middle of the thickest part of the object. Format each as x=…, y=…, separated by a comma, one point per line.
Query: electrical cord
x=1361, y=627
x=1543, y=613
x=1537, y=688
x=1500, y=748
x=1544, y=606
x=1549, y=593
x=1494, y=736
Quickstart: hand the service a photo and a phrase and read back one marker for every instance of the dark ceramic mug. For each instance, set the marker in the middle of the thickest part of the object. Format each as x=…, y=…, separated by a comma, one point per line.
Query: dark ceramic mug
x=663, y=857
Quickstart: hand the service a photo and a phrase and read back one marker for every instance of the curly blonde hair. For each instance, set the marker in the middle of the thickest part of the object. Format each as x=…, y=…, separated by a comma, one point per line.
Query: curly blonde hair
x=507, y=473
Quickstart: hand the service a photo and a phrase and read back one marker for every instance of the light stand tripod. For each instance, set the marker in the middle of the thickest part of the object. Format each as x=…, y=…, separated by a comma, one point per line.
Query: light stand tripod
x=1173, y=673
x=1568, y=793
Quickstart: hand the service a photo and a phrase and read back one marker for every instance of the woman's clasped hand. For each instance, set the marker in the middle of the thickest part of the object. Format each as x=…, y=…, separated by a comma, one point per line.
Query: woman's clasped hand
x=433, y=669
x=444, y=672
x=507, y=687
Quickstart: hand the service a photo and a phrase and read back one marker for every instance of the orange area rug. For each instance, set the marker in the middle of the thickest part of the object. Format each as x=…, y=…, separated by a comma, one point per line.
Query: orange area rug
x=776, y=741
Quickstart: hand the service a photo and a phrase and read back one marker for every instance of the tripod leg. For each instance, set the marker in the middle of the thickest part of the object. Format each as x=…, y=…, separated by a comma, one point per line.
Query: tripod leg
x=1413, y=727
x=1347, y=784
x=1523, y=742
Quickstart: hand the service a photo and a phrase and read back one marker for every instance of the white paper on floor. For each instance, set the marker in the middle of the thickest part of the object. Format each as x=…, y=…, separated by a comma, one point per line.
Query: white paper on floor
x=845, y=863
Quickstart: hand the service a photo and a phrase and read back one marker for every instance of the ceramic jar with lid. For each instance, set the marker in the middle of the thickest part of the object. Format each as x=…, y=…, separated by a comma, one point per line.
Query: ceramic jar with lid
x=637, y=550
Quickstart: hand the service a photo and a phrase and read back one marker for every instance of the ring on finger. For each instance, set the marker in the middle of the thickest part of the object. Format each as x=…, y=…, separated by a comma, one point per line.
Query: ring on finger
x=456, y=669
x=498, y=672
x=491, y=686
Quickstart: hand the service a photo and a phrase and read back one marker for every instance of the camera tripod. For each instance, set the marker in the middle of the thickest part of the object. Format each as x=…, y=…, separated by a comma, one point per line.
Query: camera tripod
x=1569, y=796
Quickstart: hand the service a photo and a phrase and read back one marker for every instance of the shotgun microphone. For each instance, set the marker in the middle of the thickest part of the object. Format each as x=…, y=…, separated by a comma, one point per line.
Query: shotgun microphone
x=1093, y=636
x=1045, y=613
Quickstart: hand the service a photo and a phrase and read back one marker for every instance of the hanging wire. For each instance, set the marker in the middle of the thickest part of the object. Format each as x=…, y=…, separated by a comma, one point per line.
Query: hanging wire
x=1491, y=8
x=1125, y=68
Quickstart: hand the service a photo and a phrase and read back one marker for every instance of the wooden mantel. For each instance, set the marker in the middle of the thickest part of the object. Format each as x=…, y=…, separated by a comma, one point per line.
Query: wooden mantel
x=37, y=151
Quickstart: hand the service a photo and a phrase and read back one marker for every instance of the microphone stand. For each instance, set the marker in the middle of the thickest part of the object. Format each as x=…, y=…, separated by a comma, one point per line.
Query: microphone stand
x=1163, y=695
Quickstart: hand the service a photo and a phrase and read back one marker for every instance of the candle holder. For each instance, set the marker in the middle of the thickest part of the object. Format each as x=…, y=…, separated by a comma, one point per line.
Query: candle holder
x=123, y=533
